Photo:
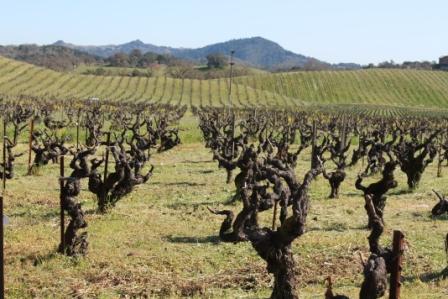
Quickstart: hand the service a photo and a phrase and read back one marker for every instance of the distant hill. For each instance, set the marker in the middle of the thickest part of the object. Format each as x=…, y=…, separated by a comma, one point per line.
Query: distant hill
x=52, y=56
x=369, y=87
x=256, y=52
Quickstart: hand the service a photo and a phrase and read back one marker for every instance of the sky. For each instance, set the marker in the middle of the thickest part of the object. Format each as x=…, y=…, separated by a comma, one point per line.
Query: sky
x=361, y=31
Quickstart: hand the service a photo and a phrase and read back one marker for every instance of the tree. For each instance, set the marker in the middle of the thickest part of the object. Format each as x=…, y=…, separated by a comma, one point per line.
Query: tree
x=134, y=57
x=119, y=59
x=181, y=70
x=147, y=59
x=216, y=61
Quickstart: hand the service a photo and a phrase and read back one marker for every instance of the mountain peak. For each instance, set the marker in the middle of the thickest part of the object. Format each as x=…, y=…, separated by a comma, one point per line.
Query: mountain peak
x=136, y=42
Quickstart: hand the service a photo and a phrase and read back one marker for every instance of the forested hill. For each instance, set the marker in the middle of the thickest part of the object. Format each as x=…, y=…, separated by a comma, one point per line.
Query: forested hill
x=52, y=56
x=256, y=52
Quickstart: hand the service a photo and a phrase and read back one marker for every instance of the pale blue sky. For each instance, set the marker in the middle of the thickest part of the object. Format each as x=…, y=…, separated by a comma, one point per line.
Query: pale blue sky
x=331, y=30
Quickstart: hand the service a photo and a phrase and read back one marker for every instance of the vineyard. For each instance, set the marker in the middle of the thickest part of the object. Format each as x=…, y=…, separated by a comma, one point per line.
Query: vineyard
x=382, y=89
x=304, y=184
x=120, y=199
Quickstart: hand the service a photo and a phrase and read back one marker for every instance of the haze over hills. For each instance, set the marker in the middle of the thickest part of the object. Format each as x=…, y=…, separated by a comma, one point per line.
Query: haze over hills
x=256, y=52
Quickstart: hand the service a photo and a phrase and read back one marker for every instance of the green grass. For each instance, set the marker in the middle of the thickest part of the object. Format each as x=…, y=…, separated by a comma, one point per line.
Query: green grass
x=377, y=86
x=161, y=240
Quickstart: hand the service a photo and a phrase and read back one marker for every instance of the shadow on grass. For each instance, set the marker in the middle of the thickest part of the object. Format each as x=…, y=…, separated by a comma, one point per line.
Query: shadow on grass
x=336, y=227
x=39, y=259
x=396, y=193
x=193, y=240
x=354, y=194
x=45, y=216
x=196, y=162
x=93, y=211
x=429, y=277
x=190, y=184
x=401, y=192
x=193, y=205
x=206, y=171
x=441, y=217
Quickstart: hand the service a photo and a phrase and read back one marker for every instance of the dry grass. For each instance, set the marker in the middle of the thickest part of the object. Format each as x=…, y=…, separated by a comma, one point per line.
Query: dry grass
x=161, y=242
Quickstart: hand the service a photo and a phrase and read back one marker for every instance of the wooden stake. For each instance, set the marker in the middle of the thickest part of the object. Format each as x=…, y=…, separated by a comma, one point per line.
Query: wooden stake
x=395, y=275
x=77, y=128
x=233, y=134
x=2, y=267
x=61, y=203
x=274, y=217
x=30, y=141
x=4, y=154
x=313, y=144
x=107, y=157
x=2, y=272
x=86, y=134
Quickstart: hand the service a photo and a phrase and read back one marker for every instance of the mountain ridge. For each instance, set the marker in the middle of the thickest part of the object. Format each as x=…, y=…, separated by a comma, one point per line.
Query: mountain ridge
x=254, y=51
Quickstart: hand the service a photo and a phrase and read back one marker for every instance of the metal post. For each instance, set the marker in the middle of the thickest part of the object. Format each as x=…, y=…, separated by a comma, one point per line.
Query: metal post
x=397, y=253
x=107, y=157
x=30, y=141
x=233, y=134
x=313, y=144
x=2, y=269
x=77, y=128
x=4, y=153
x=61, y=203
x=2, y=266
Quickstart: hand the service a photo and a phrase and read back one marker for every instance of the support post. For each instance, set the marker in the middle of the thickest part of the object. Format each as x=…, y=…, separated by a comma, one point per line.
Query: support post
x=2, y=267
x=313, y=144
x=4, y=153
x=30, y=141
x=61, y=203
x=274, y=217
x=397, y=253
x=77, y=128
x=107, y=157
x=86, y=134
x=233, y=133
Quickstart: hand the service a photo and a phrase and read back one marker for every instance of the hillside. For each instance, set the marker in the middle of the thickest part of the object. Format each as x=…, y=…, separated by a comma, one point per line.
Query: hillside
x=404, y=88
x=17, y=78
x=414, y=88
x=54, y=57
x=256, y=52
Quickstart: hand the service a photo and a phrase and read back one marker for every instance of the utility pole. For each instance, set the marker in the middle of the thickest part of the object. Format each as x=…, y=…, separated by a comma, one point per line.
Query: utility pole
x=231, y=63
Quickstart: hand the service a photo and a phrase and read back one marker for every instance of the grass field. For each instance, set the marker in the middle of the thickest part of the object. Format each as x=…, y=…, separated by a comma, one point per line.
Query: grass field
x=401, y=88
x=162, y=241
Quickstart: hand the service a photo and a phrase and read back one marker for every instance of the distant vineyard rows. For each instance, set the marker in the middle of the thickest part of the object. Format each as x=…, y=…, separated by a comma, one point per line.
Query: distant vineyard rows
x=383, y=89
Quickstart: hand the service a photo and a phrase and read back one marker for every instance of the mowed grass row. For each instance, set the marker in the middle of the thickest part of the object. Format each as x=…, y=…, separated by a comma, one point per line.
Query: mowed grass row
x=17, y=78
x=414, y=88
x=406, y=88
